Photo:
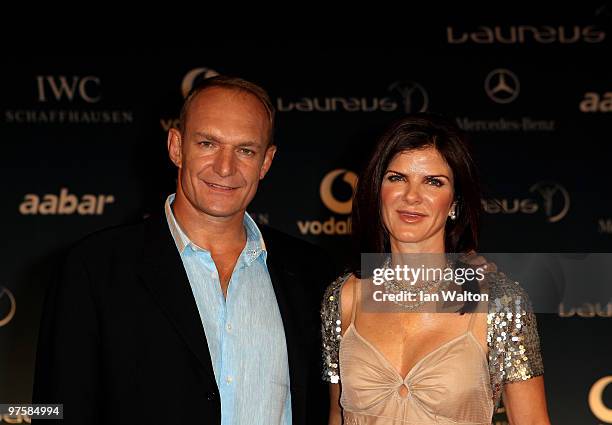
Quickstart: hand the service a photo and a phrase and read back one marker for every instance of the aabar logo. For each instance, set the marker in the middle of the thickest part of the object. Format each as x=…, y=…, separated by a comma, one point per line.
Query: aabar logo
x=332, y=226
x=522, y=34
x=595, y=102
x=64, y=204
x=8, y=306
x=596, y=403
x=61, y=87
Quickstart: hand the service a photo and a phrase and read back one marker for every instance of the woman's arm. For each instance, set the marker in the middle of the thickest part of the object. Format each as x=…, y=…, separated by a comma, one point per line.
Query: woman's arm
x=335, y=411
x=337, y=304
x=525, y=402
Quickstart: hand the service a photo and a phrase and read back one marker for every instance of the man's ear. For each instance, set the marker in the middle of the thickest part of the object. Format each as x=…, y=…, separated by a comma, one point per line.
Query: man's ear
x=268, y=157
x=175, y=143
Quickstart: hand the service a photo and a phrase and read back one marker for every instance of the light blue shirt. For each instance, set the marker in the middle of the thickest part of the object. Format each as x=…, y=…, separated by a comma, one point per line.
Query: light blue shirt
x=244, y=331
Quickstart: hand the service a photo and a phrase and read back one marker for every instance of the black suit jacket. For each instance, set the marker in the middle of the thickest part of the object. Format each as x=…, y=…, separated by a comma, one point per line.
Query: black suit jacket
x=121, y=340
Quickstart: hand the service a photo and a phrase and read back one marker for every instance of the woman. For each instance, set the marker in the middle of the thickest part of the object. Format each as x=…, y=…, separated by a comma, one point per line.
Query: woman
x=419, y=195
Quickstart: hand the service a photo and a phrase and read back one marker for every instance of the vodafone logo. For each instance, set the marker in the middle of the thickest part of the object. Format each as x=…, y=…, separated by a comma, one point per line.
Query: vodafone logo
x=332, y=225
x=327, y=196
x=192, y=76
x=599, y=409
x=8, y=306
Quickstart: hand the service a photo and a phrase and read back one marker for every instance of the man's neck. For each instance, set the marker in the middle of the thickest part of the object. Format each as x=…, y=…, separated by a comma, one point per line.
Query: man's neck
x=218, y=235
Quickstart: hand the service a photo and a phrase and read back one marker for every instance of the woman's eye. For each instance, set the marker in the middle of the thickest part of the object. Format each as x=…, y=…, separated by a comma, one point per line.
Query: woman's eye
x=394, y=178
x=435, y=182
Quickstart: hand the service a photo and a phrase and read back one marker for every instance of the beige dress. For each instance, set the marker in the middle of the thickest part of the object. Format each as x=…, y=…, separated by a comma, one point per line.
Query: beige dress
x=457, y=383
x=438, y=390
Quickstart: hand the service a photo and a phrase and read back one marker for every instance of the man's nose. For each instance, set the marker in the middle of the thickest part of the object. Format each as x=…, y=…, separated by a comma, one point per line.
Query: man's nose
x=225, y=162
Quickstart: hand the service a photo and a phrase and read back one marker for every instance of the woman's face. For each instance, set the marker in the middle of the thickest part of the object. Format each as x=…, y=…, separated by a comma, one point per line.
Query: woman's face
x=417, y=196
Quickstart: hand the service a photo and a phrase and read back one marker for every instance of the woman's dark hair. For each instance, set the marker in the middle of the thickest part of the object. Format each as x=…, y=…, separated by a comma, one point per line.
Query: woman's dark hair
x=417, y=131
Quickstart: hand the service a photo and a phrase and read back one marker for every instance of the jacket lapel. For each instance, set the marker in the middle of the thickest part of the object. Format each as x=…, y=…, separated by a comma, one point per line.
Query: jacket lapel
x=282, y=280
x=164, y=275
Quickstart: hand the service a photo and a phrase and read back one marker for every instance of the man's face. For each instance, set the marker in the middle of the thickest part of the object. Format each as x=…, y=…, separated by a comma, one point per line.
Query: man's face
x=223, y=152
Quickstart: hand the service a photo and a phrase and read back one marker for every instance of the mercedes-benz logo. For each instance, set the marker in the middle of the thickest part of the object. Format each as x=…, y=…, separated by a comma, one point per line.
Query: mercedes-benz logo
x=414, y=96
x=193, y=75
x=5, y=295
x=502, y=85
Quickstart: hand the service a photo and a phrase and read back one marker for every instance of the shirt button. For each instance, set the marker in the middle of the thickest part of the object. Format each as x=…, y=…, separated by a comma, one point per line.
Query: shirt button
x=229, y=379
x=228, y=327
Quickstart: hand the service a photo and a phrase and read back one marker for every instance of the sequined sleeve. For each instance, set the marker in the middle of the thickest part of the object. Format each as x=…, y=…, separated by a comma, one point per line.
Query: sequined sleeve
x=512, y=336
x=331, y=330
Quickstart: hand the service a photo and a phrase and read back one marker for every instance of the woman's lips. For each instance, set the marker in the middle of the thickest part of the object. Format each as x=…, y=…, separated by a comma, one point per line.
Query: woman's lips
x=411, y=216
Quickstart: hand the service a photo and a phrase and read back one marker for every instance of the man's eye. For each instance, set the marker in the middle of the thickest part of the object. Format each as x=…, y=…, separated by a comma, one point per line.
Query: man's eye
x=205, y=144
x=247, y=152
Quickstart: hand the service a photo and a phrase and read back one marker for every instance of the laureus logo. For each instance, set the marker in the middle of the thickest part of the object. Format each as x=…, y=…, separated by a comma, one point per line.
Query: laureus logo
x=523, y=34
x=502, y=86
x=193, y=76
x=556, y=200
x=8, y=306
x=413, y=96
x=596, y=403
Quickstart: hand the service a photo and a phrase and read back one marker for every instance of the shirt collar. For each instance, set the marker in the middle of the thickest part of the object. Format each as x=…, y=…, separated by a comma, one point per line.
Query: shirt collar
x=254, y=245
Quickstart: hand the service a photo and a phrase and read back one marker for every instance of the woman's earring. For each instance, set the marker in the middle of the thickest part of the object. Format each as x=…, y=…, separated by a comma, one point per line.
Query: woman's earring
x=453, y=214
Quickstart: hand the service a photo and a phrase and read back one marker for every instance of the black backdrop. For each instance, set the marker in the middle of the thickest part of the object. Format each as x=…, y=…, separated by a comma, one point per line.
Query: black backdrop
x=535, y=97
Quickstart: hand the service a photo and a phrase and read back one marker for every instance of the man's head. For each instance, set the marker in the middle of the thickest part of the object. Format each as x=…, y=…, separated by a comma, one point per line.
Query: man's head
x=223, y=145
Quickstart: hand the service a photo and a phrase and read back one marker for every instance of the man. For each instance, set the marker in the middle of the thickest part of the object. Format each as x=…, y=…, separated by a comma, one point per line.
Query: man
x=196, y=316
